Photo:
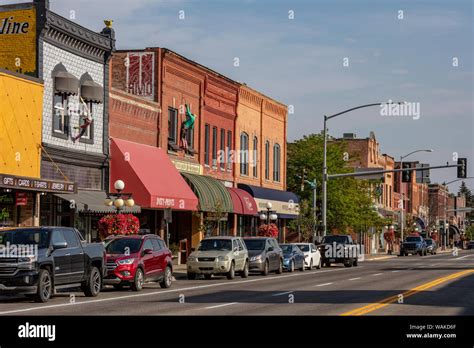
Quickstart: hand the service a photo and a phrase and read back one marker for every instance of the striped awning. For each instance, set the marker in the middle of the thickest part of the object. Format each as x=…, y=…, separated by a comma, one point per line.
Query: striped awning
x=212, y=193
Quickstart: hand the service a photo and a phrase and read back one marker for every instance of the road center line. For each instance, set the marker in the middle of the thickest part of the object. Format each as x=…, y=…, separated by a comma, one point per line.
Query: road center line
x=325, y=284
x=355, y=278
x=221, y=305
x=395, y=271
x=160, y=292
x=377, y=274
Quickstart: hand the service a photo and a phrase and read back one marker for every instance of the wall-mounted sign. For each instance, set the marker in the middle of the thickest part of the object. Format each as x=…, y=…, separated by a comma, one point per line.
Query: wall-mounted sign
x=187, y=167
x=23, y=183
x=21, y=198
x=18, y=40
x=6, y=199
x=140, y=68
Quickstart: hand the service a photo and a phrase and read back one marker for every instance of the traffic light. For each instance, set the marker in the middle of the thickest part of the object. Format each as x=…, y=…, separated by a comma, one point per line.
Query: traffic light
x=462, y=168
x=406, y=175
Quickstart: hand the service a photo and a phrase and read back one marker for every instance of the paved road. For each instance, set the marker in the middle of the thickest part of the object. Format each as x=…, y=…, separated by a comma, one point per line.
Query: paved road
x=431, y=285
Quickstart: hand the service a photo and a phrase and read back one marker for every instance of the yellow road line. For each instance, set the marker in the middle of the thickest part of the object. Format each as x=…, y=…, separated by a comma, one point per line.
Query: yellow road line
x=392, y=299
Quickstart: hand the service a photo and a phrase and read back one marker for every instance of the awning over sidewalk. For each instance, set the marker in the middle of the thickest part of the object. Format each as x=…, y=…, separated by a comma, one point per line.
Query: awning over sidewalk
x=211, y=192
x=150, y=176
x=285, y=203
x=92, y=202
x=243, y=202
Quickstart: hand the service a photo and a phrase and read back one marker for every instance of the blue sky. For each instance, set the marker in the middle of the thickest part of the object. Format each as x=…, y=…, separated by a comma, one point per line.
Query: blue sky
x=300, y=61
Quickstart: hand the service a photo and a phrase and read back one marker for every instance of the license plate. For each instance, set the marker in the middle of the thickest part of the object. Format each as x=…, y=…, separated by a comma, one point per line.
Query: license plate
x=332, y=260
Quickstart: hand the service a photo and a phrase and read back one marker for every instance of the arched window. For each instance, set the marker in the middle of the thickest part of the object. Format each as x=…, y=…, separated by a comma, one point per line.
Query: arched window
x=244, y=153
x=267, y=160
x=276, y=162
x=255, y=157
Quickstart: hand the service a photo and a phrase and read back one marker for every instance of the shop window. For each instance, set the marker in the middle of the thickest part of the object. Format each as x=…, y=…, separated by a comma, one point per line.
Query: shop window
x=206, y=143
x=60, y=115
x=276, y=162
x=229, y=148
x=255, y=157
x=244, y=151
x=222, y=156
x=88, y=131
x=267, y=160
x=173, y=129
x=214, y=147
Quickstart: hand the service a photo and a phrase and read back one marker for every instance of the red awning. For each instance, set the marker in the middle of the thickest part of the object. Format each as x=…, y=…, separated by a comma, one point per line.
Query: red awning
x=243, y=202
x=150, y=176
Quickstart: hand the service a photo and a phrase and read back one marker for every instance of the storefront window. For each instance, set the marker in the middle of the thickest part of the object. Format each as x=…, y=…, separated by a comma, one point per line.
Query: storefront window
x=7, y=210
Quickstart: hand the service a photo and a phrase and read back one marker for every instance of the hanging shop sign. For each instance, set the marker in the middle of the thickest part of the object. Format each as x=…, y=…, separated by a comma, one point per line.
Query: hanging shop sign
x=188, y=167
x=18, y=40
x=141, y=73
x=24, y=183
x=21, y=198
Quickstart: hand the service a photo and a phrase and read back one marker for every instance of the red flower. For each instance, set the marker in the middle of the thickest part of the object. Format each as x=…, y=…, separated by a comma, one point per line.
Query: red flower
x=268, y=231
x=118, y=224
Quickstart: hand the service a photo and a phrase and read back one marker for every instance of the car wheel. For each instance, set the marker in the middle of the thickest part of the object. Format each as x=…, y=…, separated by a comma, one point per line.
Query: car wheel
x=245, y=272
x=280, y=268
x=302, y=266
x=291, y=266
x=191, y=276
x=311, y=265
x=207, y=276
x=319, y=264
x=355, y=263
x=139, y=280
x=94, y=283
x=231, y=273
x=167, y=278
x=327, y=264
x=45, y=286
x=348, y=264
x=420, y=253
x=265, y=269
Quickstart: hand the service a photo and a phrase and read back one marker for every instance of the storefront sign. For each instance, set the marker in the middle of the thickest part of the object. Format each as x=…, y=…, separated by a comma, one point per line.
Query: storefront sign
x=188, y=167
x=168, y=203
x=24, y=183
x=286, y=208
x=18, y=40
x=21, y=198
x=141, y=74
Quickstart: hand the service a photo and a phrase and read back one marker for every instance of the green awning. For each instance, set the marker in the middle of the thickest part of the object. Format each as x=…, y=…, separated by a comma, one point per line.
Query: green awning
x=211, y=193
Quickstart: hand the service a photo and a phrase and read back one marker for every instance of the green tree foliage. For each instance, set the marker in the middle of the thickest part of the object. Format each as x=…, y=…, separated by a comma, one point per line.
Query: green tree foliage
x=350, y=201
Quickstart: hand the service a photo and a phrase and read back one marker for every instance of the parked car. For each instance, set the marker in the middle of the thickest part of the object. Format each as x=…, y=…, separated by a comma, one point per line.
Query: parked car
x=61, y=259
x=431, y=246
x=470, y=245
x=134, y=260
x=413, y=245
x=293, y=257
x=312, y=256
x=338, y=249
x=219, y=256
x=265, y=255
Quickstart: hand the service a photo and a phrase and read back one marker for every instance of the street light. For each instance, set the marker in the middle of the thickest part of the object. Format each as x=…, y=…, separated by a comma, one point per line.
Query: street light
x=119, y=199
x=401, y=182
x=268, y=215
x=325, y=169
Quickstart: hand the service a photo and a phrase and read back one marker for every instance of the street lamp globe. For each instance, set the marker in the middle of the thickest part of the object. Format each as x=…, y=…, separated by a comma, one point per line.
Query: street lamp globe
x=273, y=217
x=392, y=227
x=108, y=202
x=263, y=216
x=118, y=203
x=130, y=202
x=119, y=185
x=386, y=227
x=269, y=205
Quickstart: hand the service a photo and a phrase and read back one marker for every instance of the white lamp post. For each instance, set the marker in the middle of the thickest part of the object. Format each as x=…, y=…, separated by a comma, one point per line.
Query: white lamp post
x=119, y=199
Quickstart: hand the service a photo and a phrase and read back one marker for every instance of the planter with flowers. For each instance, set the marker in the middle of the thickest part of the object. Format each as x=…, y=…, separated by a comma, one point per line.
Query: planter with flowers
x=118, y=224
x=268, y=231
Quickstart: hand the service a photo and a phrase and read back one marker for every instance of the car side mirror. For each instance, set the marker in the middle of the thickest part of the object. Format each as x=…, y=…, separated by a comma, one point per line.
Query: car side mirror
x=59, y=245
x=236, y=249
x=147, y=251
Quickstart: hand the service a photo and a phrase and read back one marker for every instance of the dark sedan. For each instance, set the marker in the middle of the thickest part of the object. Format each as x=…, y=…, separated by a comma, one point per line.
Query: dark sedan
x=470, y=245
x=265, y=255
x=293, y=257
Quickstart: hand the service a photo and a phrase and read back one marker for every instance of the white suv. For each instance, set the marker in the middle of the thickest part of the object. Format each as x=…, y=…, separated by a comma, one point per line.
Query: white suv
x=312, y=256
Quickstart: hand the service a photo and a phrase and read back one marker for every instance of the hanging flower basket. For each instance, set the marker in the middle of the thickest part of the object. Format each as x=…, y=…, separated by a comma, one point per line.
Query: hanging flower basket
x=268, y=231
x=118, y=224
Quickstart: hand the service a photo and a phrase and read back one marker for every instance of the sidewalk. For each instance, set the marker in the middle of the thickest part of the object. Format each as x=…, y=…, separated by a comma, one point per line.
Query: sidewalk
x=383, y=256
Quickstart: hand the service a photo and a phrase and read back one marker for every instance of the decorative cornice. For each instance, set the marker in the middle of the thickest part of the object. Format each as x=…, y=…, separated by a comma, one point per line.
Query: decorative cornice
x=76, y=39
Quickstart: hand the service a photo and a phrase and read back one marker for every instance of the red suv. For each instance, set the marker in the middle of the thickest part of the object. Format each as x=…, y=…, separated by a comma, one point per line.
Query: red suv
x=133, y=260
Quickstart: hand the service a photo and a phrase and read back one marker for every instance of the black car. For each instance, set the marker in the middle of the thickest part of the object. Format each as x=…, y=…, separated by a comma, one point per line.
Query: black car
x=53, y=258
x=265, y=255
x=470, y=245
x=338, y=249
x=413, y=245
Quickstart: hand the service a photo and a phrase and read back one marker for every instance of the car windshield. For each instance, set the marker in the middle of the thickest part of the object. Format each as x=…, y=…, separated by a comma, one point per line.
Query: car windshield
x=32, y=236
x=286, y=248
x=413, y=239
x=215, y=244
x=429, y=241
x=335, y=239
x=303, y=247
x=255, y=244
x=124, y=246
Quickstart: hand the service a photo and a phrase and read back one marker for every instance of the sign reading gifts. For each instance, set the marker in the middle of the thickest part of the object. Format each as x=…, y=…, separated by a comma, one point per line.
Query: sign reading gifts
x=18, y=40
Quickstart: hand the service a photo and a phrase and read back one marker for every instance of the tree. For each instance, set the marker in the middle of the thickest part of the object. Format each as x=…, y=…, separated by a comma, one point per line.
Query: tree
x=350, y=201
x=464, y=190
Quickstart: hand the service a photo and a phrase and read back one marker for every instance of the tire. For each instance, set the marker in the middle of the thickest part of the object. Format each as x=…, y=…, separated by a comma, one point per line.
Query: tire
x=93, y=284
x=302, y=269
x=348, y=264
x=139, y=280
x=280, y=268
x=327, y=264
x=245, y=272
x=207, y=276
x=355, y=263
x=45, y=286
x=167, y=278
x=231, y=273
x=191, y=276
x=420, y=253
x=319, y=264
x=291, y=266
x=265, y=270
x=311, y=265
